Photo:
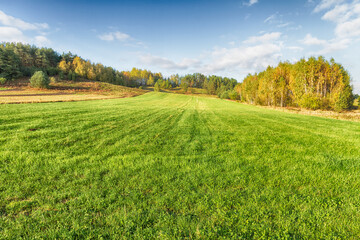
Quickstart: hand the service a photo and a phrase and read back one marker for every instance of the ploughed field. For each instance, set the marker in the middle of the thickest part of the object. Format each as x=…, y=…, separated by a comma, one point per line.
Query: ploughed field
x=174, y=166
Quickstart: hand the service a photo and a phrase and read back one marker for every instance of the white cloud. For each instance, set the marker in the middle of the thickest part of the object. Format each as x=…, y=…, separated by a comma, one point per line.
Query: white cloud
x=248, y=59
x=107, y=37
x=20, y=24
x=13, y=30
x=295, y=48
x=335, y=45
x=11, y=34
x=126, y=39
x=42, y=41
x=346, y=17
x=310, y=40
x=115, y=36
x=250, y=2
x=267, y=37
x=167, y=63
x=233, y=59
x=339, y=13
x=282, y=25
x=326, y=4
x=327, y=46
x=271, y=18
x=349, y=28
x=264, y=50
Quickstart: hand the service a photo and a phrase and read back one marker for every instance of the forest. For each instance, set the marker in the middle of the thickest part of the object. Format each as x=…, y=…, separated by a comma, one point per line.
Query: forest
x=313, y=83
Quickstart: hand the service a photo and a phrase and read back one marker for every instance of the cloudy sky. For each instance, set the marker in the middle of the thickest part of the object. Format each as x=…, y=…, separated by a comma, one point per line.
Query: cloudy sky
x=224, y=37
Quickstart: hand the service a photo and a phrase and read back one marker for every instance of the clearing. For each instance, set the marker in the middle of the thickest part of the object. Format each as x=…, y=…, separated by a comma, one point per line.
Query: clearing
x=175, y=166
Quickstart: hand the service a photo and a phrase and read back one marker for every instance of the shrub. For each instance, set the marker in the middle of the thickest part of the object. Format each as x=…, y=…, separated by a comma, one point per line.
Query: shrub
x=39, y=80
x=310, y=101
x=52, y=80
x=157, y=87
x=2, y=80
x=233, y=95
x=224, y=95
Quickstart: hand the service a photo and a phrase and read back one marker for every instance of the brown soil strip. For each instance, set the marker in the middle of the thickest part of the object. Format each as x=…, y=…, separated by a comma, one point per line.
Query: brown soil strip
x=36, y=95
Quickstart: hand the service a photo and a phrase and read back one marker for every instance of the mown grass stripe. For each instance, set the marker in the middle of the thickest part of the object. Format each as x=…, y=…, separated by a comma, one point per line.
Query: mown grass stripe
x=174, y=166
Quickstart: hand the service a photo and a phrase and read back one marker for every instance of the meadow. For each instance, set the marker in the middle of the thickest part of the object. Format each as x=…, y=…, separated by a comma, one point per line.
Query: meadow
x=165, y=166
x=19, y=91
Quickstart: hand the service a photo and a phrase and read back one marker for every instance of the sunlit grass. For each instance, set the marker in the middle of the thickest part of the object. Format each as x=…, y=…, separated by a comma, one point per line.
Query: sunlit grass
x=175, y=166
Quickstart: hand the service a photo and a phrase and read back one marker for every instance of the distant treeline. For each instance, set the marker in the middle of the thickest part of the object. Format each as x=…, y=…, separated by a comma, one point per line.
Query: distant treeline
x=17, y=60
x=74, y=66
x=313, y=83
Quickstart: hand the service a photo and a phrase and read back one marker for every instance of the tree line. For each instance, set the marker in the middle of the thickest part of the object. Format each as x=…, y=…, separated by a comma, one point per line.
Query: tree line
x=313, y=83
x=17, y=60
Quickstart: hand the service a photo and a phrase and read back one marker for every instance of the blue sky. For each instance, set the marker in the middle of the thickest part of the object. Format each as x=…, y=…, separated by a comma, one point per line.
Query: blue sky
x=224, y=37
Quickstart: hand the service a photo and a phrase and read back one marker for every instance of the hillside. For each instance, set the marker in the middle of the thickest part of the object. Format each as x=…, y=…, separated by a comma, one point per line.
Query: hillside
x=175, y=166
x=19, y=91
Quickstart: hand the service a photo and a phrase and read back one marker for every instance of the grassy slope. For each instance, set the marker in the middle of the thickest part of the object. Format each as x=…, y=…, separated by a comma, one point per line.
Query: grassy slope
x=64, y=91
x=164, y=165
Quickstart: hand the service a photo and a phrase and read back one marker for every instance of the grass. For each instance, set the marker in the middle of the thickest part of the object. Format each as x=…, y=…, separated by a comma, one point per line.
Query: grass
x=175, y=166
x=52, y=98
x=178, y=90
x=350, y=115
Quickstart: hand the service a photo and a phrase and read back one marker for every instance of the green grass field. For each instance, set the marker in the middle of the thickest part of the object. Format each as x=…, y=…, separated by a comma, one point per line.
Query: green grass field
x=174, y=166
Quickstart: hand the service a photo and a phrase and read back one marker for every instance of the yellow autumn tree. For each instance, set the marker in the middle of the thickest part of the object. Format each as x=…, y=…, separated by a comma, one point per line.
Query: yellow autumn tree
x=79, y=67
x=150, y=82
x=64, y=66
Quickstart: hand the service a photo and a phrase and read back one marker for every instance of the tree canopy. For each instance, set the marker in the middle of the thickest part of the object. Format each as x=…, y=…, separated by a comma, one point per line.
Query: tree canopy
x=313, y=83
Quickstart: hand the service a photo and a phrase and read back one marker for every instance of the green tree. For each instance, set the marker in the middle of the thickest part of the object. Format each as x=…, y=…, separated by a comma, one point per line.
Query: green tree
x=345, y=100
x=9, y=64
